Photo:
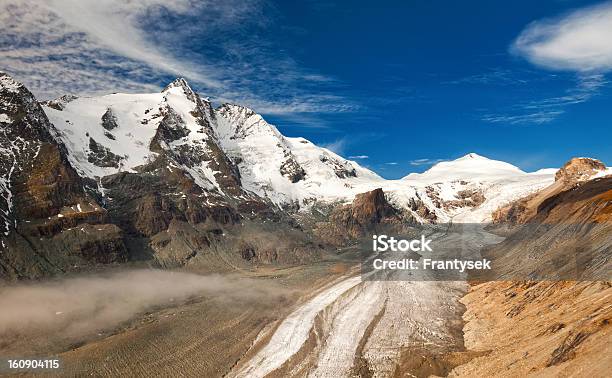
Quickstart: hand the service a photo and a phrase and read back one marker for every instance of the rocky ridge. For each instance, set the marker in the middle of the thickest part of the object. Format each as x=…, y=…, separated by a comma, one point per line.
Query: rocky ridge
x=574, y=173
x=174, y=179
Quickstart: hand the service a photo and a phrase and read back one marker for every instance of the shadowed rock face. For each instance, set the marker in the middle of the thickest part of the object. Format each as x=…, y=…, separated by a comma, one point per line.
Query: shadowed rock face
x=368, y=212
x=369, y=209
x=102, y=156
x=292, y=170
x=54, y=220
x=109, y=120
x=43, y=196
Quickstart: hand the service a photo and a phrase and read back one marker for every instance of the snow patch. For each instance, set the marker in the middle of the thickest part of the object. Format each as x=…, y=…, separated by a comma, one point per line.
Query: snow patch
x=4, y=118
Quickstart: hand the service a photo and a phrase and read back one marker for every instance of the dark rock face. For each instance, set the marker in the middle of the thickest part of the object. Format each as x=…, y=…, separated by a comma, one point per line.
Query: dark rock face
x=368, y=212
x=145, y=204
x=42, y=195
x=102, y=156
x=171, y=128
x=109, y=120
x=292, y=170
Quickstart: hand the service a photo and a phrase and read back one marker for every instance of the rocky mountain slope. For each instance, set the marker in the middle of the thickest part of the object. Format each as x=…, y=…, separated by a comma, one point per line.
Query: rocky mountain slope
x=573, y=173
x=565, y=227
x=233, y=151
x=124, y=177
x=165, y=176
x=559, y=326
x=369, y=213
x=45, y=208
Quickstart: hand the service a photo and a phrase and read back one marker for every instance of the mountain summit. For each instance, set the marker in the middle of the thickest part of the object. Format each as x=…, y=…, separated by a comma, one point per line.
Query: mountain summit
x=470, y=166
x=168, y=174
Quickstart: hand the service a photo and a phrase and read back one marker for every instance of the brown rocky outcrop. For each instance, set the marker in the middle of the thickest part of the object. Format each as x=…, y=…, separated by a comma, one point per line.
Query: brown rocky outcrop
x=368, y=212
x=578, y=169
x=559, y=326
x=574, y=172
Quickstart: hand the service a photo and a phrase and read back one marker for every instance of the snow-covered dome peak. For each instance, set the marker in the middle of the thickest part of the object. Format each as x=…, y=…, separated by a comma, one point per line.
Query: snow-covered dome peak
x=469, y=167
x=471, y=156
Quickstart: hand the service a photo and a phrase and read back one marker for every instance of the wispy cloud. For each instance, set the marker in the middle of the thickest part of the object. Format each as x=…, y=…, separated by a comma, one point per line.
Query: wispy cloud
x=538, y=117
x=338, y=146
x=497, y=76
x=577, y=41
x=548, y=109
x=343, y=145
x=392, y=163
x=418, y=162
x=97, y=46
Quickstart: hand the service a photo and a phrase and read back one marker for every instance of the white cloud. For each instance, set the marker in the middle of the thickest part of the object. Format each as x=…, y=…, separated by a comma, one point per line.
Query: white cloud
x=418, y=162
x=337, y=146
x=536, y=117
x=578, y=41
x=116, y=24
x=101, y=46
x=359, y=157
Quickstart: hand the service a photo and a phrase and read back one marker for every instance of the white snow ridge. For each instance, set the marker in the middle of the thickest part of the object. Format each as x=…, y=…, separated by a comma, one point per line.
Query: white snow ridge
x=287, y=171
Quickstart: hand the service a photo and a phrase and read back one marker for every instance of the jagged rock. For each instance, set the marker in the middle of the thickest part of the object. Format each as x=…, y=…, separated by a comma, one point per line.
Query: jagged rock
x=368, y=212
x=43, y=197
x=292, y=170
x=340, y=170
x=145, y=203
x=109, y=120
x=102, y=156
x=60, y=102
x=578, y=169
x=466, y=198
x=171, y=128
x=417, y=206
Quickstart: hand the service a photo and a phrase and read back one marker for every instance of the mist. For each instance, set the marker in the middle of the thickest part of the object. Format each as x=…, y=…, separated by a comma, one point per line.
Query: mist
x=80, y=306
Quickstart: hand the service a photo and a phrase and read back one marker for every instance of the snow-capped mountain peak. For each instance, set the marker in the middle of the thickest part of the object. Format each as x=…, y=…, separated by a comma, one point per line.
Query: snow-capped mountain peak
x=234, y=150
x=286, y=170
x=469, y=167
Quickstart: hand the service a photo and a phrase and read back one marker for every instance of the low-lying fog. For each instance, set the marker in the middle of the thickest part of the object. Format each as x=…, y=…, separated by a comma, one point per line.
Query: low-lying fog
x=80, y=306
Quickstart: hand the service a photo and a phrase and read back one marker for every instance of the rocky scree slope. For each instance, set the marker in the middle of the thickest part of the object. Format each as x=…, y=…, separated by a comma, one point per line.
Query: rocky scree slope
x=561, y=232
x=560, y=326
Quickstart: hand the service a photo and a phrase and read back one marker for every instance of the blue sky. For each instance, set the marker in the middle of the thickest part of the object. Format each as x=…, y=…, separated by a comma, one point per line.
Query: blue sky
x=398, y=85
